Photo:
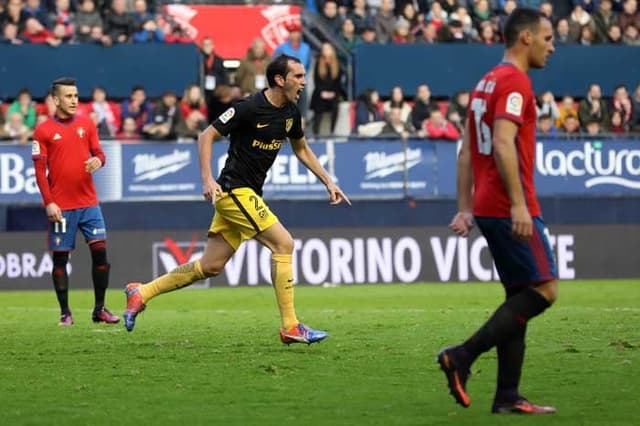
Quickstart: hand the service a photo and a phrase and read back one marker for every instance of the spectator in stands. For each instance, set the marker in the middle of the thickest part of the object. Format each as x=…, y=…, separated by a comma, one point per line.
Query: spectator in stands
x=173, y=32
x=107, y=116
x=141, y=13
x=546, y=7
x=457, y=109
x=621, y=102
x=461, y=14
x=193, y=104
x=65, y=17
x=437, y=16
x=298, y=48
x=35, y=33
x=635, y=110
x=361, y=16
x=87, y=17
x=437, y=127
x=385, y=22
x=563, y=33
x=214, y=73
x=546, y=104
x=410, y=14
x=119, y=25
x=629, y=15
x=481, y=12
x=295, y=46
x=14, y=14
x=614, y=34
x=166, y=118
x=449, y=6
x=507, y=8
x=578, y=19
x=456, y=32
x=251, y=74
x=47, y=108
x=34, y=9
x=10, y=35
x=429, y=34
x=15, y=129
x=603, y=18
x=571, y=125
x=487, y=35
x=130, y=131
x=587, y=36
x=630, y=36
x=422, y=106
x=137, y=107
x=617, y=124
x=368, y=36
x=327, y=91
x=395, y=126
x=224, y=97
x=593, y=128
x=593, y=106
x=330, y=18
x=348, y=36
x=566, y=108
x=23, y=104
x=369, y=121
x=396, y=100
x=149, y=32
x=402, y=33
x=190, y=127
x=545, y=125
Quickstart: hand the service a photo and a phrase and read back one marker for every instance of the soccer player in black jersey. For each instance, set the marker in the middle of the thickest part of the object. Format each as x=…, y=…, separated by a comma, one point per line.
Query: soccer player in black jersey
x=257, y=127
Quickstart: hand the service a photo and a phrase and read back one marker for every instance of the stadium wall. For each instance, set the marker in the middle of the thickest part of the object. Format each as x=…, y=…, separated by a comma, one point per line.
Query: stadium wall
x=449, y=68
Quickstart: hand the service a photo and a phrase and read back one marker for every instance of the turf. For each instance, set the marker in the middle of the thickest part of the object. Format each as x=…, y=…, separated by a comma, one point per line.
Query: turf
x=212, y=357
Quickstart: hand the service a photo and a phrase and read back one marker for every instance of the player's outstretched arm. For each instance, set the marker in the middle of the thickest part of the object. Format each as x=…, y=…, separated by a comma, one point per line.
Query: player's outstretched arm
x=462, y=222
x=210, y=188
x=306, y=155
x=506, y=158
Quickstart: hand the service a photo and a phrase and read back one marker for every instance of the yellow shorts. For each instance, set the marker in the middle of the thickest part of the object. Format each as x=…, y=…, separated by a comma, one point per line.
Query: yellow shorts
x=240, y=215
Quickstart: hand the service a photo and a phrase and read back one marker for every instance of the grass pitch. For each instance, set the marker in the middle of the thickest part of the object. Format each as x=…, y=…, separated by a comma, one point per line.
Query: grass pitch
x=212, y=357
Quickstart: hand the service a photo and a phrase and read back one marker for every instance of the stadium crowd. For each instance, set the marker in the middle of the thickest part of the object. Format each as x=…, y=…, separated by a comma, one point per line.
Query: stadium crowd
x=395, y=114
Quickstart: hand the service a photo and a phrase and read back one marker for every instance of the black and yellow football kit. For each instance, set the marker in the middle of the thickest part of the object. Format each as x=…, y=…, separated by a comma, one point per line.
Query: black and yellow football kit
x=257, y=131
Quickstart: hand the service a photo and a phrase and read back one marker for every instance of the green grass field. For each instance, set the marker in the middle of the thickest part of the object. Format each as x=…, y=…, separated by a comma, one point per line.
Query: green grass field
x=212, y=357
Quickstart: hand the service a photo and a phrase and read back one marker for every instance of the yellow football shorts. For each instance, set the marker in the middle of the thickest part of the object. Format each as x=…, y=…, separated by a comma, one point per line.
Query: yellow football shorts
x=240, y=215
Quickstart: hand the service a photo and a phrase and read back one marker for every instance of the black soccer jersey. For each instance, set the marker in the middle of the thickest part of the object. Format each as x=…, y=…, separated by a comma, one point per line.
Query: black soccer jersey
x=257, y=131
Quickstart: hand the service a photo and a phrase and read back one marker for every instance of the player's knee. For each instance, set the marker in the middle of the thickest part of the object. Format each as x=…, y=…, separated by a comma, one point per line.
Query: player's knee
x=549, y=291
x=211, y=269
x=285, y=246
x=98, y=252
x=60, y=259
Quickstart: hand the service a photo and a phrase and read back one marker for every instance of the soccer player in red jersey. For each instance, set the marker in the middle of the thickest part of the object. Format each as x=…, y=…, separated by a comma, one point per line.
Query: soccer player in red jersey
x=496, y=191
x=67, y=146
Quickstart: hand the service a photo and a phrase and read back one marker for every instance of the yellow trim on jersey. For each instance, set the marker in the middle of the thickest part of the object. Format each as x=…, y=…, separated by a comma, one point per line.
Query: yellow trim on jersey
x=240, y=215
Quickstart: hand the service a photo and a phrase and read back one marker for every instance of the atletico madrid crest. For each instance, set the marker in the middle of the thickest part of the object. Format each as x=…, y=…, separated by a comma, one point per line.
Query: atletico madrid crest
x=288, y=124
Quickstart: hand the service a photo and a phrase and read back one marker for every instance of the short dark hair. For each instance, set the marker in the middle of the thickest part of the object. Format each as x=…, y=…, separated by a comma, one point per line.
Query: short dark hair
x=279, y=66
x=522, y=18
x=63, y=81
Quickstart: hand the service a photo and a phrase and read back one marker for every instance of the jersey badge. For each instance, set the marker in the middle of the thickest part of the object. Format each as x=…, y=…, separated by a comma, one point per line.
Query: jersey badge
x=35, y=147
x=227, y=115
x=288, y=124
x=81, y=132
x=57, y=137
x=514, y=103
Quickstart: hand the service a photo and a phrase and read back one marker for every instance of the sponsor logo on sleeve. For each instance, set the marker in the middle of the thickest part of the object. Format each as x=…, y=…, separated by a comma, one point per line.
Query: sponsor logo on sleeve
x=35, y=148
x=227, y=115
x=514, y=103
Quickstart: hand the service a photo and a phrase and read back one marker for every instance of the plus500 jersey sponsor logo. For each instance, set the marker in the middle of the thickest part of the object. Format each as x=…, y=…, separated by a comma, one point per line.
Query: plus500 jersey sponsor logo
x=15, y=176
x=601, y=165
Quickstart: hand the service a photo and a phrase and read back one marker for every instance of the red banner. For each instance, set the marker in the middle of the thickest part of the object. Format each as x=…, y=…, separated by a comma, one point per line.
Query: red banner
x=233, y=28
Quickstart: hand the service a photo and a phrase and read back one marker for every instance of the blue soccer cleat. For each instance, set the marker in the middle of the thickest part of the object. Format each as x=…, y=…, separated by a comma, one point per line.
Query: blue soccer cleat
x=300, y=333
x=135, y=305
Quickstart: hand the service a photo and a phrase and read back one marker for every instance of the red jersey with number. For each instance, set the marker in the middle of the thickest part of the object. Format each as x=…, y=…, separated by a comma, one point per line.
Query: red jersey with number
x=65, y=145
x=505, y=92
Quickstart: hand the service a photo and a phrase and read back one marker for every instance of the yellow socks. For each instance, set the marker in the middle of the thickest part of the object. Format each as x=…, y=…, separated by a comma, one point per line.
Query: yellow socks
x=181, y=276
x=282, y=279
